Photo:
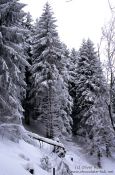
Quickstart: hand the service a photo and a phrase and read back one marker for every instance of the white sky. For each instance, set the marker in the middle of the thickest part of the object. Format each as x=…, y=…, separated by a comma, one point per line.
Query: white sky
x=76, y=19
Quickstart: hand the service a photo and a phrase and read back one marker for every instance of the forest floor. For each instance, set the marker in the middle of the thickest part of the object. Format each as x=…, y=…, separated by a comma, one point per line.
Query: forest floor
x=18, y=158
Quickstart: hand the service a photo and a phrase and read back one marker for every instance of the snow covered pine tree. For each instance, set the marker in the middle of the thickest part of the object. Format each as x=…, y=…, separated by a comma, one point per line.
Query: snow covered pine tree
x=12, y=67
x=72, y=69
x=49, y=97
x=92, y=118
x=27, y=24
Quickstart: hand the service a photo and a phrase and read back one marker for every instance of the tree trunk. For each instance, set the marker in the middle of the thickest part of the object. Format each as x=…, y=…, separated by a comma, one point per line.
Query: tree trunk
x=27, y=120
x=110, y=114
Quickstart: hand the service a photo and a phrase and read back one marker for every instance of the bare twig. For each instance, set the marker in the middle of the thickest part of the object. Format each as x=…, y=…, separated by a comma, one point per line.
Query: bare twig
x=98, y=48
x=110, y=6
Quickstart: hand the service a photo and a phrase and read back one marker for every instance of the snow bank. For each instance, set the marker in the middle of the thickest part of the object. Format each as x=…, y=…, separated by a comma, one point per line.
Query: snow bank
x=19, y=158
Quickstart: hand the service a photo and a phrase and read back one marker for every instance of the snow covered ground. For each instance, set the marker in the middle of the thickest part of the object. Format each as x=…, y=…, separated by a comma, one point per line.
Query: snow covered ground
x=16, y=159
x=81, y=165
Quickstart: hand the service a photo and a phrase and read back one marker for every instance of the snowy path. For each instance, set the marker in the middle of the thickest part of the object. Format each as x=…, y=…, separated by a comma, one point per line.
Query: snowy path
x=80, y=165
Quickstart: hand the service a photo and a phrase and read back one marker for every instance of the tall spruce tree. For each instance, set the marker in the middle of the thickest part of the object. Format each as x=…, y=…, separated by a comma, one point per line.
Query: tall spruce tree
x=27, y=24
x=12, y=64
x=72, y=69
x=49, y=98
x=92, y=118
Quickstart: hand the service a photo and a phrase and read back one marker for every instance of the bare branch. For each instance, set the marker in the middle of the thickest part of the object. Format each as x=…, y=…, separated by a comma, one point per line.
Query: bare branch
x=98, y=47
x=108, y=32
x=110, y=6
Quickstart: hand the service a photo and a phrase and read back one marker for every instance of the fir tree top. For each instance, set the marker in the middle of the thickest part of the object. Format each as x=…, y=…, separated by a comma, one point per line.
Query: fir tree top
x=90, y=67
x=46, y=41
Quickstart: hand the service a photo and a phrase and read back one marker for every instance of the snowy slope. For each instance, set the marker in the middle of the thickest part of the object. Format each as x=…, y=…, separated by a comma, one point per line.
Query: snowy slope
x=81, y=165
x=16, y=158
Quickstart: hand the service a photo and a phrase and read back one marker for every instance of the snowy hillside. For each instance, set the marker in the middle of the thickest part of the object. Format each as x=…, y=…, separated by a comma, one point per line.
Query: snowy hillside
x=67, y=96
x=18, y=159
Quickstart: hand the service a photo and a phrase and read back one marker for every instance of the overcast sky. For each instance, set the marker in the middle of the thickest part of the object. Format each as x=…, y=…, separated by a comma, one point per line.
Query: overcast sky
x=76, y=19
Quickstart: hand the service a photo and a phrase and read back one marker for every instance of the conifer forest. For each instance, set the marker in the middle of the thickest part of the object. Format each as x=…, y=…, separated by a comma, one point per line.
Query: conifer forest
x=52, y=94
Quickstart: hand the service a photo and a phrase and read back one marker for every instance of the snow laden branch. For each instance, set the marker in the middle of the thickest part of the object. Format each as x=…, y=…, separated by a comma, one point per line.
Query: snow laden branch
x=58, y=147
